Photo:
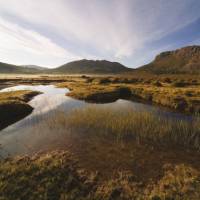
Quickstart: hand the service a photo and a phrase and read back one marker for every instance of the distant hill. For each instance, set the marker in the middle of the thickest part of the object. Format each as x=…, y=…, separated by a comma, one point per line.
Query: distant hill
x=34, y=67
x=14, y=69
x=92, y=67
x=8, y=68
x=75, y=67
x=184, y=60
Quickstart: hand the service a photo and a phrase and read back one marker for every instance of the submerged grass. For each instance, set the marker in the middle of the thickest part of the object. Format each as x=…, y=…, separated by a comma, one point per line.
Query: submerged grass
x=141, y=126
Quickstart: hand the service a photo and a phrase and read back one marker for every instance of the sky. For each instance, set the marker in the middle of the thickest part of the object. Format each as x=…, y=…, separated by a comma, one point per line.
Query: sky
x=50, y=33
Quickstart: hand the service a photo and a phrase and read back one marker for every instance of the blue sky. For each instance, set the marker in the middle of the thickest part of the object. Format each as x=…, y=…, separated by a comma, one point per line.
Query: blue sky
x=53, y=32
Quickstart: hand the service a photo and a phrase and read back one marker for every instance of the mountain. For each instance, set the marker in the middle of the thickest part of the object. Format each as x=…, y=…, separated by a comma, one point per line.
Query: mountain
x=34, y=67
x=184, y=60
x=8, y=68
x=14, y=69
x=75, y=67
x=92, y=67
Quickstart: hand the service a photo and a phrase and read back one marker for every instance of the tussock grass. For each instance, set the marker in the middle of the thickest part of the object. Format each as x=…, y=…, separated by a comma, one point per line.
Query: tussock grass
x=13, y=106
x=50, y=176
x=179, y=182
x=142, y=127
x=23, y=95
x=55, y=175
x=169, y=91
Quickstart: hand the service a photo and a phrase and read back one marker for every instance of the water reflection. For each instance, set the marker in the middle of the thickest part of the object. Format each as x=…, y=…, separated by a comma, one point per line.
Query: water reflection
x=33, y=133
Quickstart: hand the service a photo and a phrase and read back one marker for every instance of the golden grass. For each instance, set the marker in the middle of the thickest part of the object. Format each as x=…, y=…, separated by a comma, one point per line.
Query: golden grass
x=179, y=182
x=160, y=90
x=181, y=178
x=145, y=143
x=120, y=125
x=22, y=95
x=180, y=92
x=13, y=106
x=56, y=175
x=50, y=176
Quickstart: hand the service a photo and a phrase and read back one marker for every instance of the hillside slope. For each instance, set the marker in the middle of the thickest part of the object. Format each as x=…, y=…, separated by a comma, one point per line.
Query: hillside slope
x=14, y=69
x=75, y=67
x=33, y=67
x=92, y=67
x=184, y=60
x=7, y=68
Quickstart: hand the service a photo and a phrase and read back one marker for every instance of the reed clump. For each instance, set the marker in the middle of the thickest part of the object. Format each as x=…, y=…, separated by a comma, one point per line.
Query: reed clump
x=126, y=124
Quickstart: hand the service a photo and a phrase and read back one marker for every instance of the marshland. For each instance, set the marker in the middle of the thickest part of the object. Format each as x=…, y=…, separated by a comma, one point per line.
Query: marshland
x=100, y=100
x=95, y=137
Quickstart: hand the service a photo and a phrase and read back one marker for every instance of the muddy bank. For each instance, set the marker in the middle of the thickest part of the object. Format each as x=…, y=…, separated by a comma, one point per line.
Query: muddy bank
x=13, y=106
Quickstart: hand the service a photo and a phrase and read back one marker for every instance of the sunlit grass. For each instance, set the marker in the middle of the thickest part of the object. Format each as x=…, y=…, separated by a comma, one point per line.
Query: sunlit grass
x=121, y=125
x=13, y=106
x=55, y=175
x=176, y=92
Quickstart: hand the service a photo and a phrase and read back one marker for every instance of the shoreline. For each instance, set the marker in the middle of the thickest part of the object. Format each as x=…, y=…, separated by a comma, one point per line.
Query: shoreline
x=14, y=107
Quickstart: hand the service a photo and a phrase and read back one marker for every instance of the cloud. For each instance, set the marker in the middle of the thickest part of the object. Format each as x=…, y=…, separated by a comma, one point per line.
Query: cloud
x=114, y=29
x=16, y=41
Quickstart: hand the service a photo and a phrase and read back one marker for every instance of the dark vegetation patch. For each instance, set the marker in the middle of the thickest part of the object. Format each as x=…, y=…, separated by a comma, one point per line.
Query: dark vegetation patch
x=13, y=106
x=179, y=83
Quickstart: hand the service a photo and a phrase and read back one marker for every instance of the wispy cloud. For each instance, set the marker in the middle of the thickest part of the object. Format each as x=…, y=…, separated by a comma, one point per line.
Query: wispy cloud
x=54, y=32
x=22, y=46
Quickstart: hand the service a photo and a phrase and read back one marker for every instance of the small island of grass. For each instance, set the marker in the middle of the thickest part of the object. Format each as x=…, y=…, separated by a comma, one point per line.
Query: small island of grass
x=13, y=106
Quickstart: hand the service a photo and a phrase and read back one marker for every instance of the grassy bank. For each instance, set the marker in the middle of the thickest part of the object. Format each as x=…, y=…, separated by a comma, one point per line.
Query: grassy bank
x=56, y=176
x=179, y=92
x=13, y=106
x=171, y=91
x=111, y=154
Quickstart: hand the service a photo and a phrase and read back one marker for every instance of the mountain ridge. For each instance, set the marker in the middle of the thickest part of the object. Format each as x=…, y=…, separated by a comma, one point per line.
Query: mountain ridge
x=92, y=66
x=36, y=67
x=74, y=67
x=183, y=60
x=179, y=61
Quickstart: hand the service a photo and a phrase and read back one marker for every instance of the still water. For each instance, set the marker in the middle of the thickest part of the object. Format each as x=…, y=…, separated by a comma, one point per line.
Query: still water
x=32, y=134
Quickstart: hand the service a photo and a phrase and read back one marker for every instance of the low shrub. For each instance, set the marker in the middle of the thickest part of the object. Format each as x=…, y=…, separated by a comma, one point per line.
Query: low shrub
x=157, y=83
x=179, y=84
x=167, y=80
x=104, y=81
